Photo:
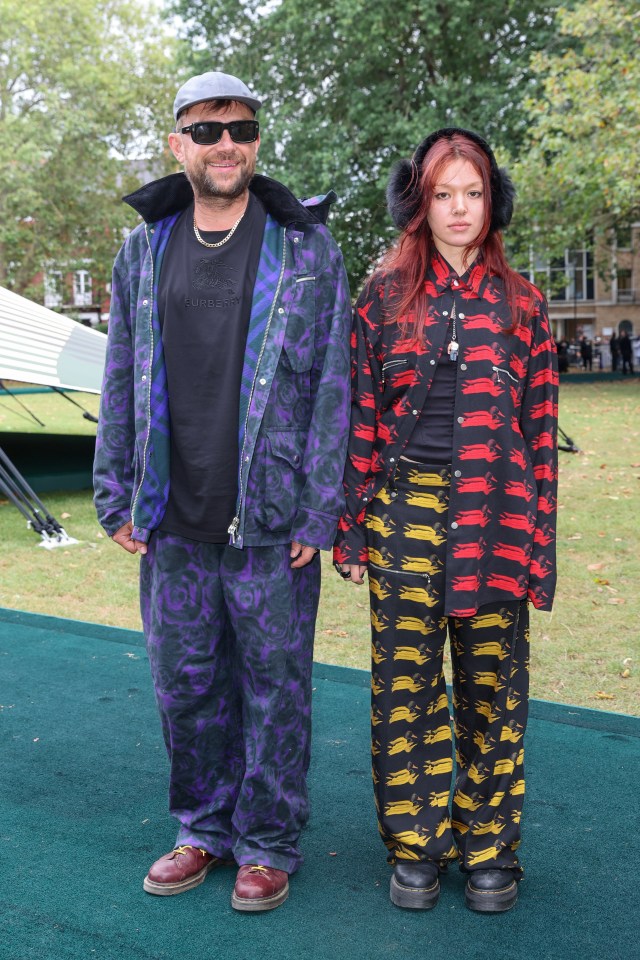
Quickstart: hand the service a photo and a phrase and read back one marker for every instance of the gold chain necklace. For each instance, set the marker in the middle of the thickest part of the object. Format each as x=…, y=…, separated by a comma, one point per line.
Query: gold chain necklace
x=224, y=239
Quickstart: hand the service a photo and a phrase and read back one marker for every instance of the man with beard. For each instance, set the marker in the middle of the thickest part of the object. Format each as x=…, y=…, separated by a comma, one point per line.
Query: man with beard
x=219, y=460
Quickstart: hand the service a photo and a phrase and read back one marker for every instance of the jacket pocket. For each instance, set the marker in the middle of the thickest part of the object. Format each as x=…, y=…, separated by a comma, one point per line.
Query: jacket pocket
x=299, y=347
x=283, y=478
x=390, y=367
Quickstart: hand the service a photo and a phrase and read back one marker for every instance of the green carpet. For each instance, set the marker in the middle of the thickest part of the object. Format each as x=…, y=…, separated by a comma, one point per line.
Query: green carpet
x=83, y=814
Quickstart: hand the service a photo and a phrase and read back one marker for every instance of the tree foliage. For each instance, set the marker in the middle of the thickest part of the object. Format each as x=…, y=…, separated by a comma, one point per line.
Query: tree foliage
x=81, y=85
x=350, y=86
x=579, y=169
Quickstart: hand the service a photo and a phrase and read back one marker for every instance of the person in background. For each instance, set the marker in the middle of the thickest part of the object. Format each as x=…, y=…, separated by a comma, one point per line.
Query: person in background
x=219, y=460
x=615, y=352
x=586, y=352
x=626, y=352
x=563, y=356
x=451, y=502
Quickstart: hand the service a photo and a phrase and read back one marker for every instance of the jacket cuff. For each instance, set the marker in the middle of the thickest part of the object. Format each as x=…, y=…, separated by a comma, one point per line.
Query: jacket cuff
x=540, y=598
x=115, y=520
x=313, y=529
x=350, y=546
x=141, y=533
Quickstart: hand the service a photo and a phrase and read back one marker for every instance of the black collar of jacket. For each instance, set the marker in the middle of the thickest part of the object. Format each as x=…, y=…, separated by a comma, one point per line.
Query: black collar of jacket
x=173, y=194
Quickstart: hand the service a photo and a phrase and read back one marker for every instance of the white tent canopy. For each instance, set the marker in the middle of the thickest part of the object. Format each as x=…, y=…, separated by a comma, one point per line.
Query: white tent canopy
x=40, y=346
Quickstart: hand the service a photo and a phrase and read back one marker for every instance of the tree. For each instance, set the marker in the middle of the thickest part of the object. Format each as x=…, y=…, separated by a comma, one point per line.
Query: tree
x=579, y=169
x=351, y=86
x=82, y=85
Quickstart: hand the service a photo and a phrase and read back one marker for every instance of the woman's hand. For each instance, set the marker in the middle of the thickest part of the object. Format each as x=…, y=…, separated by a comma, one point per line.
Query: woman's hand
x=353, y=571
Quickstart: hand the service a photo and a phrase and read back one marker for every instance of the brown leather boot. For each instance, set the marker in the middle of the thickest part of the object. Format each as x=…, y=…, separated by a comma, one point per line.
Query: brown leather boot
x=259, y=888
x=182, y=869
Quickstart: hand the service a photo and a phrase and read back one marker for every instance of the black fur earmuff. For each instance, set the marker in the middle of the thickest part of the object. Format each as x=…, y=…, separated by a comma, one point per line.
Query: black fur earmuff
x=402, y=192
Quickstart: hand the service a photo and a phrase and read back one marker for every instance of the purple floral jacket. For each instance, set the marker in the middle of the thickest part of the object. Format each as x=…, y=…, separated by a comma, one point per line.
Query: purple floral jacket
x=295, y=384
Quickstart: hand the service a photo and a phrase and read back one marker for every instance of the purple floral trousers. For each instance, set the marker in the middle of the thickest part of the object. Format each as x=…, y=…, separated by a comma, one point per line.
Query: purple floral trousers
x=230, y=641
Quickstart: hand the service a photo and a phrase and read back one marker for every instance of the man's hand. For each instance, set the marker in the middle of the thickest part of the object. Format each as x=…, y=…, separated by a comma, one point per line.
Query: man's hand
x=300, y=555
x=354, y=572
x=124, y=538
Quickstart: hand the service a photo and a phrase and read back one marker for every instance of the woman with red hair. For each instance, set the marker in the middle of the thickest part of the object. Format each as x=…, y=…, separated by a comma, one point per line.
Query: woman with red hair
x=451, y=502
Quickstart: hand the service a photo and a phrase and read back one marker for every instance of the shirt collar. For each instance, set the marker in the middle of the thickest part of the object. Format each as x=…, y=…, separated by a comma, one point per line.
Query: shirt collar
x=443, y=277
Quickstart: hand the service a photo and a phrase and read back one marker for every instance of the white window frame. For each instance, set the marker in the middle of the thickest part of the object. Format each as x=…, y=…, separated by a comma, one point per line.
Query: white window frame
x=82, y=288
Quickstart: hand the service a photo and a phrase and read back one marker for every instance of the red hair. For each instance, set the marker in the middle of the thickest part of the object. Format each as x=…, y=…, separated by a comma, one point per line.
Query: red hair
x=411, y=256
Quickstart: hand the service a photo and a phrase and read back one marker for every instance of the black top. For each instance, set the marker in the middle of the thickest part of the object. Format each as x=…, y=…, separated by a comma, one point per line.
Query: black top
x=432, y=437
x=204, y=303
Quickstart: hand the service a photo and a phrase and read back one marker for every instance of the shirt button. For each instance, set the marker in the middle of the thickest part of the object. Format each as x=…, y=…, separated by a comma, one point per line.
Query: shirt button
x=445, y=313
x=144, y=303
x=454, y=525
x=296, y=239
x=457, y=473
x=144, y=377
x=246, y=459
x=280, y=309
x=392, y=460
x=416, y=413
x=432, y=362
x=461, y=315
x=393, y=494
x=365, y=499
x=262, y=381
x=456, y=283
x=463, y=366
x=460, y=419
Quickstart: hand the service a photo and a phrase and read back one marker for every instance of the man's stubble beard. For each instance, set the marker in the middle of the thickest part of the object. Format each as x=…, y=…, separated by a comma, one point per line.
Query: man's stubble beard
x=205, y=188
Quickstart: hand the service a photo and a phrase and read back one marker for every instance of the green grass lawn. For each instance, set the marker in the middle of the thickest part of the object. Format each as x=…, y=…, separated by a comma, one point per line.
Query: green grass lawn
x=586, y=652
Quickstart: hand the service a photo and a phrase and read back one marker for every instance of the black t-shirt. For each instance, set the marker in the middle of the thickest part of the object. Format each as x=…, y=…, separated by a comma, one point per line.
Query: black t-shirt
x=432, y=438
x=204, y=303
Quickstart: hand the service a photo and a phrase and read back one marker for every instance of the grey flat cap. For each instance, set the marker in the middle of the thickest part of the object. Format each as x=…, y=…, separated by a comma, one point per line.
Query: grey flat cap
x=213, y=86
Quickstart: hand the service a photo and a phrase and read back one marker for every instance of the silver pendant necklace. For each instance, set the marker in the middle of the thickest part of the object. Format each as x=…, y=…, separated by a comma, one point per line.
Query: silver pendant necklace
x=224, y=239
x=454, y=346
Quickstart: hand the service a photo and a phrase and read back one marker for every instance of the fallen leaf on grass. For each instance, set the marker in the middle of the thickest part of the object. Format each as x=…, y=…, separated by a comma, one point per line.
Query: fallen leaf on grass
x=605, y=583
x=100, y=535
x=575, y=536
x=596, y=566
x=625, y=673
x=601, y=695
x=65, y=516
x=615, y=600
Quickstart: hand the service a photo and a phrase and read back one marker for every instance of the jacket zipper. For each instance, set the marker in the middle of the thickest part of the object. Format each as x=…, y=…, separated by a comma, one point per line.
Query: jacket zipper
x=406, y=573
x=235, y=523
x=390, y=363
x=499, y=370
x=146, y=442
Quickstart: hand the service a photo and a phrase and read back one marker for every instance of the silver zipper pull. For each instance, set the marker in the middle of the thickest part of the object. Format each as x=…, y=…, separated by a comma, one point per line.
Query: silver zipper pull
x=233, y=528
x=499, y=370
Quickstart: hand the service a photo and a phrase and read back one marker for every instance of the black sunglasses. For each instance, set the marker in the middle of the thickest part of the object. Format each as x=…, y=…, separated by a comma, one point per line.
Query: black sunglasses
x=210, y=131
